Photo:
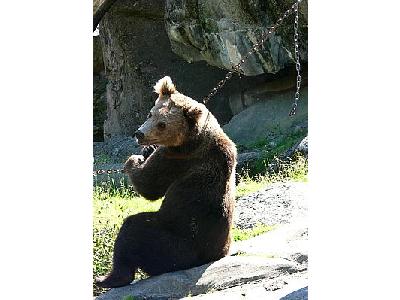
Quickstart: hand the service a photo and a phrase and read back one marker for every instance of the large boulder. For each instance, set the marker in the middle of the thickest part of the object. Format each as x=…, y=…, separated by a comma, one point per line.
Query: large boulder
x=279, y=203
x=226, y=274
x=299, y=148
x=222, y=32
x=264, y=117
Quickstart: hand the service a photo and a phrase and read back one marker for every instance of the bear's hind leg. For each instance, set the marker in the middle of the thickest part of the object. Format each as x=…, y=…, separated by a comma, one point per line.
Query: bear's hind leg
x=123, y=273
x=126, y=247
x=143, y=243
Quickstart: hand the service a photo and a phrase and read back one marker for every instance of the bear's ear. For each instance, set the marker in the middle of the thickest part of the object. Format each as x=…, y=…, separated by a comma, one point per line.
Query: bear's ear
x=165, y=87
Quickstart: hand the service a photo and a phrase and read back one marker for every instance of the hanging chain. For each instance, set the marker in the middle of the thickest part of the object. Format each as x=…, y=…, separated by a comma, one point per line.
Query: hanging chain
x=257, y=46
x=109, y=171
x=297, y=58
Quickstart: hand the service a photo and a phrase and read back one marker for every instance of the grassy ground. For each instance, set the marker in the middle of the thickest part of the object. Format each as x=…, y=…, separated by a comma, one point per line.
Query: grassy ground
x=293, y=170
x=112, y=203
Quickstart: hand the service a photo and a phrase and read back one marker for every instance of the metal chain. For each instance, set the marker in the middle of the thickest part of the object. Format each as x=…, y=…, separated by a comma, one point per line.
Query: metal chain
x=297, y=58
x=257, y=46
x=108, y=171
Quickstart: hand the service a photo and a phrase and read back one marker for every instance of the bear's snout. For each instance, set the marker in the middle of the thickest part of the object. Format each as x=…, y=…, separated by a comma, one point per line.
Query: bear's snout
x=139, y=135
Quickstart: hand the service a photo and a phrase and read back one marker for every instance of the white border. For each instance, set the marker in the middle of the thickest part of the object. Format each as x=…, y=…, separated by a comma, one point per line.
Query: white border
x=46, y=149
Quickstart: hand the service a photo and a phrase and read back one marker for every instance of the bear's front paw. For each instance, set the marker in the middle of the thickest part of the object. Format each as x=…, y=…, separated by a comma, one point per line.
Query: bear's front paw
x=134, y=161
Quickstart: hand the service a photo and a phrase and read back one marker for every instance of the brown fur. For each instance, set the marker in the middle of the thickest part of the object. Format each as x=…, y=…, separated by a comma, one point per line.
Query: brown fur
x=194, y=168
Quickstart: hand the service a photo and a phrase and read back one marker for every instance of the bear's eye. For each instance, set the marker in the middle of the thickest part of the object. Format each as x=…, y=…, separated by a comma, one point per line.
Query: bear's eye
x=149, y=115
x=161, y=125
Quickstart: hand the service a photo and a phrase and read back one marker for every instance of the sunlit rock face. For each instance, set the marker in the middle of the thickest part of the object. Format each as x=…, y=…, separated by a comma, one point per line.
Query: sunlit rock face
x=222, y=32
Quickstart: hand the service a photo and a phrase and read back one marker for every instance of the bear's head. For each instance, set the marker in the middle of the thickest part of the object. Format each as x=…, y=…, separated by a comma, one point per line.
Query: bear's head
x=173, y=119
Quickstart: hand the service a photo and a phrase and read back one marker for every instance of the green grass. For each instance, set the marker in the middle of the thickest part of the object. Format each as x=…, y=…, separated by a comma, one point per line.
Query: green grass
x=245, y=234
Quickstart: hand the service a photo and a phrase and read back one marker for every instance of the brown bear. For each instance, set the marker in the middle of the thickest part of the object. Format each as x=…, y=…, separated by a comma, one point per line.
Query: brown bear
x=194, y=168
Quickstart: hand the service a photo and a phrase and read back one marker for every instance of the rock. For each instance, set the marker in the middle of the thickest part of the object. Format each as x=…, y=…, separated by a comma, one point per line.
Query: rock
x=268, y=116
x=261, y=91
x=288, y=241
x=246, y=158
x=115, y=150
x=301, y=147
x=224, y=274
x=100, y=7
x=223, y=32
x=98, y=64
x=294, y=285
x=300, y=294
x=279, y=203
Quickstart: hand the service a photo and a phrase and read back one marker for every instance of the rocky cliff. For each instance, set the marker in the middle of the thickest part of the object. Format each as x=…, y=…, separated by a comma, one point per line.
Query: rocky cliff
x=194, y=42
x=222, y=32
